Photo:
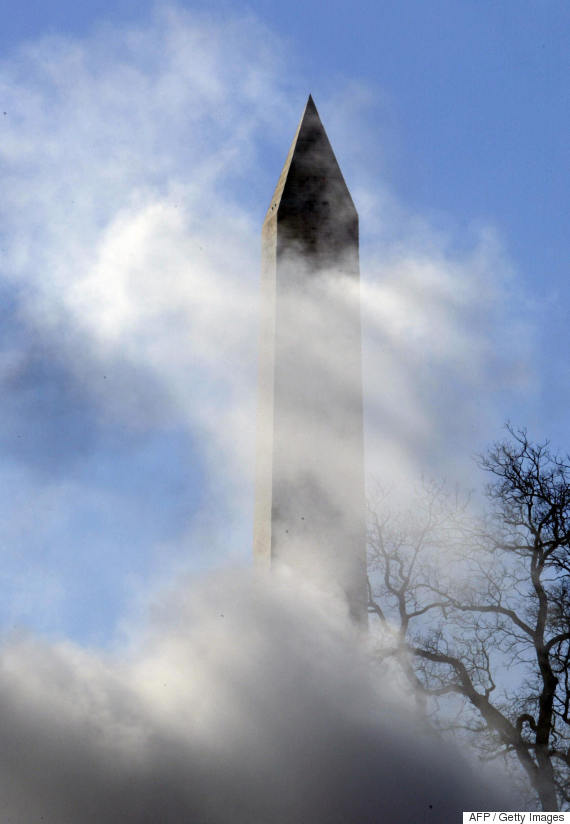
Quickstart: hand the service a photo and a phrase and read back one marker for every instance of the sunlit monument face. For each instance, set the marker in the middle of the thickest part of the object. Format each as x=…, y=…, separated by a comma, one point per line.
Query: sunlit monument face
x=310, y=512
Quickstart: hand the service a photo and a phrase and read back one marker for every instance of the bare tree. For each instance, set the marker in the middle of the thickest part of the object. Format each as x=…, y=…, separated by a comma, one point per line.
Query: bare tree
x=476, y=610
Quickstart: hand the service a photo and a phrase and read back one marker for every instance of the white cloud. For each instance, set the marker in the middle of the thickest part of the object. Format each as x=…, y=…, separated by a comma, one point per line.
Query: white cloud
x=449, y=347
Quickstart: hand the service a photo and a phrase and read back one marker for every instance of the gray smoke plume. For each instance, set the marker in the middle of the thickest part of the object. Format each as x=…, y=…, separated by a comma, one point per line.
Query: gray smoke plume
x=247, y=701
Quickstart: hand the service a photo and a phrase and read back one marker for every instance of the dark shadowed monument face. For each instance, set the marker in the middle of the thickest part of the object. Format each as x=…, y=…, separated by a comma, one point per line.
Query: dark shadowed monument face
x=310, y=511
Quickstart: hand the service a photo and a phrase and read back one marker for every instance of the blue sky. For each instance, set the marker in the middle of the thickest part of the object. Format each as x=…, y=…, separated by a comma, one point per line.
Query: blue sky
x=140, y=145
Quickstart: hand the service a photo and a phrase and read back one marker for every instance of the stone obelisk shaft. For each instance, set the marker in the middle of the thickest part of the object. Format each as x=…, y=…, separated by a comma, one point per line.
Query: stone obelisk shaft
x=310, y=505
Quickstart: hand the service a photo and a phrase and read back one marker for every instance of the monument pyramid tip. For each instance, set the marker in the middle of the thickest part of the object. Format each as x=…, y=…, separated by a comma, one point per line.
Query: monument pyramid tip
x=311, y=104
x=310, y=148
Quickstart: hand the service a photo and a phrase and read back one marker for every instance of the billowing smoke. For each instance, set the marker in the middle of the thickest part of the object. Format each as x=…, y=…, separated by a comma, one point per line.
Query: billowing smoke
x=246, y=701
x=137, y=160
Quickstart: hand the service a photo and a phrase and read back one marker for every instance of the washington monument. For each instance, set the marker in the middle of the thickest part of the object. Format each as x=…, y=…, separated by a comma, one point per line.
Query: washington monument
x=309, y=503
